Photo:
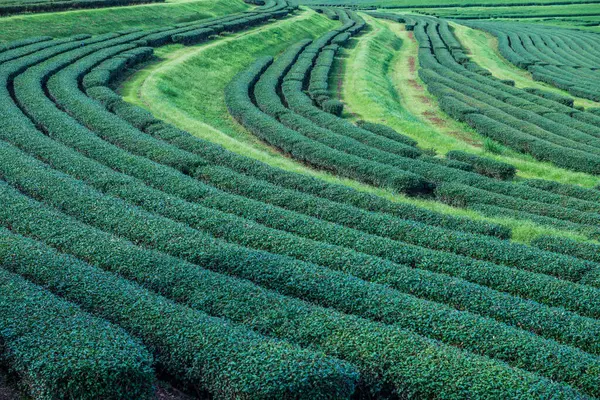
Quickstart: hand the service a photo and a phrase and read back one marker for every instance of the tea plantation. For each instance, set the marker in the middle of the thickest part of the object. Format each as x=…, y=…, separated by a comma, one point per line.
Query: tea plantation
x=324, y=200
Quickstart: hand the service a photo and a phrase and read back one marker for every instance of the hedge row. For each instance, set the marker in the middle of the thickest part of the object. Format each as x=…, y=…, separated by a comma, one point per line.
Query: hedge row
x=345, y=198
x=302, y=320
x=66, y=162
x=585, y=251
x=23, y=42
x=563, y=58
x=267, y=98
x=38, y=44
x=567, y=101
x=219, y=225
x=472, y=246
x=541, y=142
x=485, y=166
x=59, y=351
x=207, y=353
x=564, y=189
x=386, y=131
x=241, y=108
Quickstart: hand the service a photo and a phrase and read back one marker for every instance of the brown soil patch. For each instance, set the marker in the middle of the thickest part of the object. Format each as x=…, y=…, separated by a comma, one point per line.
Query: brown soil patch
x=433, y=118
x=424, y=99
x=411, y=35
x=414, y=84
x=411, y=65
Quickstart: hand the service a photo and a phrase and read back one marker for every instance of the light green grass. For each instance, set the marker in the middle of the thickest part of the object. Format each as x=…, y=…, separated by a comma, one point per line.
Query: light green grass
x=102, y=20
x=379, y=86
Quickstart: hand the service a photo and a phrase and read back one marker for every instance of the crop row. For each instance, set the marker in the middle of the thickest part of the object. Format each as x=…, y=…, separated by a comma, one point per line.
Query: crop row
x=108, y=213
x=198, y=216
x=99, y=135
x=564, y=58
x=431, y=173
x=41, y=334
x=254, y=212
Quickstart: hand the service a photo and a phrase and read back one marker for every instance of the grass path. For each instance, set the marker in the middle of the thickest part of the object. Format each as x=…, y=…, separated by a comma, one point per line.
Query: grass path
x=483, y=48
x=102, y=20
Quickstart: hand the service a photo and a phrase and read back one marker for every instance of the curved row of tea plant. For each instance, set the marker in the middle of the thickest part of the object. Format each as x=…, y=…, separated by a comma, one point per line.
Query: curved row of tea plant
x=565, y=58
x=342, y=136
x=113, y=187
x=200, y=378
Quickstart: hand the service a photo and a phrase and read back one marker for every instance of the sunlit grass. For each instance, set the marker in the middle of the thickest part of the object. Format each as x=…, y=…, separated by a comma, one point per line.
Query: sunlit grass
x=102, y=20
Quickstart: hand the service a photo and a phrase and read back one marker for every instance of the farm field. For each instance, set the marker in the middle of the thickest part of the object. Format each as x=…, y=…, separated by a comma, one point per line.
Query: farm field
x=317, y=200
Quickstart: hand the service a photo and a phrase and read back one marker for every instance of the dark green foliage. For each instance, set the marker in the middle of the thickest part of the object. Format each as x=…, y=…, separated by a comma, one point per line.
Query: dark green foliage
x=387, y=132
x=194, y=36
x=564, y=189
x=585, y=251
x=207, y=353
x=567, y=101
x=241, y=108
x=483, y=165
x=455, y=108
x=303, y=321
x=333, y=106
x=61, y=352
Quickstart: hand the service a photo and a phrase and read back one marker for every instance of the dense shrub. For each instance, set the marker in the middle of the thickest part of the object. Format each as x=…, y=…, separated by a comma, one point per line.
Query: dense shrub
x=301, y=321
x=387, y=132
x=58, y=350
x=208, y=353
x=333, y=106
x=585, y=251
x=483, y=165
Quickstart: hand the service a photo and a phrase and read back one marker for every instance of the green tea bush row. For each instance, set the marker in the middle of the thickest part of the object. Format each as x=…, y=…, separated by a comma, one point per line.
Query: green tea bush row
x=310, y=317
x=567, y=101
x=193, y=37
x=25, y=47
x=577, y=143
x=585, y=251
x=559, y=57
x=485, y=166
x=538, y=148
x=447, y=162
x=59, y=351
x=386, y=131
x=241, y=108
x=218, y=225
x=208, y=353
x=227, y=201
x=409, y=232
x=23, y=42
x=470, y=195
x=564, y=189
x=345, y=199
x=301, y=104
x=267, y=98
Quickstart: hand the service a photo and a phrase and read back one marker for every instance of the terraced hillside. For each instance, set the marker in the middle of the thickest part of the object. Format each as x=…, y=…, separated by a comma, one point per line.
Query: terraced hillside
x=28, y=6
x=560, y=57
x=231, y=229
